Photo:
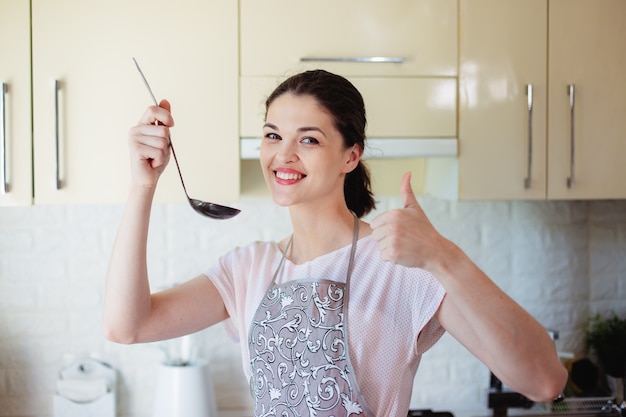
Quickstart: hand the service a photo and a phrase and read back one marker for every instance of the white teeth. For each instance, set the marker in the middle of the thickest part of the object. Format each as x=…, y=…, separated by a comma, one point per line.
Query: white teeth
x=288, y=176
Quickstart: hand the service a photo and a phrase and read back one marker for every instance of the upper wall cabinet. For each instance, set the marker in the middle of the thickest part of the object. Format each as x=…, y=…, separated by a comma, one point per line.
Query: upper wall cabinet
x=87, y=93
x=401, y=55
x=15, y=113
x=542, y=98
x=350, y=37
x=503, y=99
x=587, y=99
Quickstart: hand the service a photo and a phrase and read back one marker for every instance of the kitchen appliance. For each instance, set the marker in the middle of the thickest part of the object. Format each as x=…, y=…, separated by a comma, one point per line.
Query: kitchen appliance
x=185, y=391
x=86, y=388
x=184, y=385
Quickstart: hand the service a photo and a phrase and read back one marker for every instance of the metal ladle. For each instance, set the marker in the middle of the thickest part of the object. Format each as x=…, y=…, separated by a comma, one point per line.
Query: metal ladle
x=212, y=210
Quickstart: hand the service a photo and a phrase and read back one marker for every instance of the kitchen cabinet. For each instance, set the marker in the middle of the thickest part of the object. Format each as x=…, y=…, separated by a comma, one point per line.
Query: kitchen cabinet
x=587, y=55
x=402, y=55
x=87, y=94
x=522, y=134
x=15, y=112
x=419, y=37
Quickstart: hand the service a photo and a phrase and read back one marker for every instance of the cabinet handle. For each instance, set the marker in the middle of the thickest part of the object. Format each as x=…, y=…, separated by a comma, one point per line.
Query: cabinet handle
x=570, y=92
x=529, y=93
x=57, y=86
x=4, y=186
x=364, y=59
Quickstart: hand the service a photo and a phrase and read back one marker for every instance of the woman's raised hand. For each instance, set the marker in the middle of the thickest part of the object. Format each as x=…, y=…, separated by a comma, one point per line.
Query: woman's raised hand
x=405, y=236
x=149, y=145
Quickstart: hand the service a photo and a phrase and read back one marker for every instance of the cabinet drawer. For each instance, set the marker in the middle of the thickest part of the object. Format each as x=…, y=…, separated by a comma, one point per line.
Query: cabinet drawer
x=396, y=107
x=276, y=35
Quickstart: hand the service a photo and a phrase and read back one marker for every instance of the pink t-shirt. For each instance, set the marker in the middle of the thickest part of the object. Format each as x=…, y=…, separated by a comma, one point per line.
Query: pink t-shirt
x=391, y=311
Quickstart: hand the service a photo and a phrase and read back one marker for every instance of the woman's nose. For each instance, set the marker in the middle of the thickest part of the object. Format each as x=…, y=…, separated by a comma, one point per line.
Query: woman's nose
x=287, y=151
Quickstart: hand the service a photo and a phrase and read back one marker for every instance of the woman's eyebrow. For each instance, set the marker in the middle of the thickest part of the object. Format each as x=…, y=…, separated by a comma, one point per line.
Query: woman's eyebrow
x=300, y=129
x=311, y=128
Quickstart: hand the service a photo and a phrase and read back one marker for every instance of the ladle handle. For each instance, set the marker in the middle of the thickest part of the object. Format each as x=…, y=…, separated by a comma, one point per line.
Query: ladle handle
x=180, y=175
x=156, y=103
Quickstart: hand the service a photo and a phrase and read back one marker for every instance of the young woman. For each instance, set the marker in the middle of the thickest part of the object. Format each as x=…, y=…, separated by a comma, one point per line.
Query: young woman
x=334, y=318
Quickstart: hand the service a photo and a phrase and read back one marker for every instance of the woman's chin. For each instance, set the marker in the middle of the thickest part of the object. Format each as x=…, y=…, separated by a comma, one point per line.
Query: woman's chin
x=282, y=201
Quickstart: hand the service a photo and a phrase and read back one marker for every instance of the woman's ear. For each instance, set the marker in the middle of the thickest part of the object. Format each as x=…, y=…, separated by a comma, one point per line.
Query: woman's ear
x=355, y=152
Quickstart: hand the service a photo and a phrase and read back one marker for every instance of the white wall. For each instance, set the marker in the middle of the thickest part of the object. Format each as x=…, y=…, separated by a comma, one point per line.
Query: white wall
x=560, y=260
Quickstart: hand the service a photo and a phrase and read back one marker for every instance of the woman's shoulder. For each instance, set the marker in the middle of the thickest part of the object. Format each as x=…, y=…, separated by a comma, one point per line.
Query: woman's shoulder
x=252, y=250
x=252, y=258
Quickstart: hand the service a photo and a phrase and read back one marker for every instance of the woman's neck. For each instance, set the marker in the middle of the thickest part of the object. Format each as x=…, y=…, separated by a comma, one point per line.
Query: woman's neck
x=318, y=232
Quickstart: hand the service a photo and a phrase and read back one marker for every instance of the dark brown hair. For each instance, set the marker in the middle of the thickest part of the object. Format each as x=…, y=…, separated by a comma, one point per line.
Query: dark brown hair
x=345, y=104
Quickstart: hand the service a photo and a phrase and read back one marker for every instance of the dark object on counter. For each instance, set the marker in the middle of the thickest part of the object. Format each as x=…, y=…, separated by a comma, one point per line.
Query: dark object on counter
x=429, y=413
x=494, y=383
x=501, y=400
x=585, y=379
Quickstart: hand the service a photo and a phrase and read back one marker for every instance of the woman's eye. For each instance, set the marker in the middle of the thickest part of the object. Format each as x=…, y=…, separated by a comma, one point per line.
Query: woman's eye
x=272, y=136
x=310, y=141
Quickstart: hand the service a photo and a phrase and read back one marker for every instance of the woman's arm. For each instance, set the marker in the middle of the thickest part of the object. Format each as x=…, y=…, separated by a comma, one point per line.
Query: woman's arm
x=475, y=311
x=499, y=332
x=131, y=313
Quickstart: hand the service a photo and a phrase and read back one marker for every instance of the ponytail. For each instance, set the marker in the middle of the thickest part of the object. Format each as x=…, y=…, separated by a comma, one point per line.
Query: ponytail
x=358, y=191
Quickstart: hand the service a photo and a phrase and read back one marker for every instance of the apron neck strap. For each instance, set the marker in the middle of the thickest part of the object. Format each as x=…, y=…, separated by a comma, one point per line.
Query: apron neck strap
x=355, y=238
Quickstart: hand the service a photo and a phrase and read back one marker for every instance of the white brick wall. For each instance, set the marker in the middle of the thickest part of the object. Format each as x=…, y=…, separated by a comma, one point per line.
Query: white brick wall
x=560, y=260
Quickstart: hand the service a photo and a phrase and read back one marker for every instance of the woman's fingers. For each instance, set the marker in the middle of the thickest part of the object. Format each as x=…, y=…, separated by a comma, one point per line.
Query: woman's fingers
x=149, y=144
x=158, y=115
x=144, y=152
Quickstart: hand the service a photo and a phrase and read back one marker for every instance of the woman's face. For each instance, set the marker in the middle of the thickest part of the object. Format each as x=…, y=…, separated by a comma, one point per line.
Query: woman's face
x=303, y=157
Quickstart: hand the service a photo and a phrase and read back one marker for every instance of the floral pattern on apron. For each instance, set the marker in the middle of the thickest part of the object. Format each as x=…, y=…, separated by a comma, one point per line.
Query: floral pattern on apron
x=299, y=358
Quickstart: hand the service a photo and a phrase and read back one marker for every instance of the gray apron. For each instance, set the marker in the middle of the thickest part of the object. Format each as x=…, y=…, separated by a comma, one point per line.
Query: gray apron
x=298, y=342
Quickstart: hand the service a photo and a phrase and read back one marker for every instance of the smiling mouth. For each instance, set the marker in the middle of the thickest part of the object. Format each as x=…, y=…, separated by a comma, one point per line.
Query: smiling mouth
x=288, y=176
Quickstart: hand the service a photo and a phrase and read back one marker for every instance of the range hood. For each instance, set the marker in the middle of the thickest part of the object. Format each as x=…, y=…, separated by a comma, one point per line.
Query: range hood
x=382, y=148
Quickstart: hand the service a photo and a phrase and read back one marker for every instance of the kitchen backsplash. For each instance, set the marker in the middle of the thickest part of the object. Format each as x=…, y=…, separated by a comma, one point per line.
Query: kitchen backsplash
x=561, y=260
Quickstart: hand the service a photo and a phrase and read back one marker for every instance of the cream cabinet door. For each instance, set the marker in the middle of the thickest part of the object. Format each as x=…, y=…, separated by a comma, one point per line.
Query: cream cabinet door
x=502, y=129
x=418, y=37
x=587, y=132
x=396, y=107
x=87, y=94
x=15, y=114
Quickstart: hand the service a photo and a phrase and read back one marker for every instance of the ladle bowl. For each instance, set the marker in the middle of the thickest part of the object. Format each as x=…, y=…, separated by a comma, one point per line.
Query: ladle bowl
x=212, y=210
